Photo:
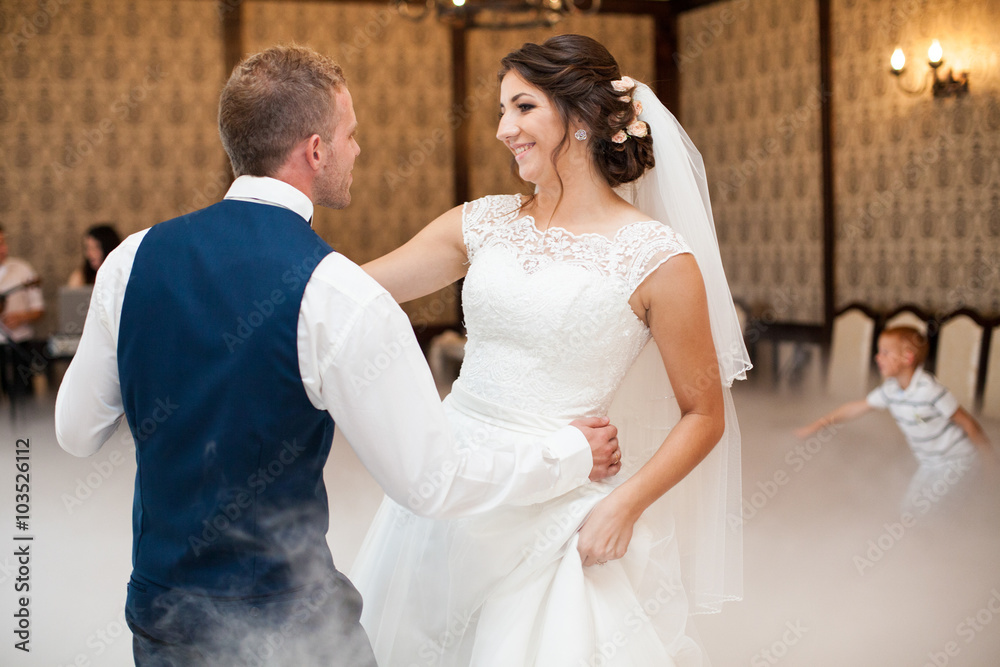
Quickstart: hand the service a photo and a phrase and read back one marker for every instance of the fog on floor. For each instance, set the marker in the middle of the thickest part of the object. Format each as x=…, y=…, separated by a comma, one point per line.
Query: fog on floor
x=835, y=573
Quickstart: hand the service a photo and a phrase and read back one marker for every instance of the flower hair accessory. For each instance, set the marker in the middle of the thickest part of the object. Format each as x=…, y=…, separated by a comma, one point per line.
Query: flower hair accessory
x=636, y=128
x=623, y=84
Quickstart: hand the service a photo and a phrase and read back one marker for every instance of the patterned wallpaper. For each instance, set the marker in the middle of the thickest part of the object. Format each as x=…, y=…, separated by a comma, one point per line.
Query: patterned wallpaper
x=750, y=100
x=628, y=38
x=917, y=178
x=399, y=75
x=107, y=113
x=107, y=110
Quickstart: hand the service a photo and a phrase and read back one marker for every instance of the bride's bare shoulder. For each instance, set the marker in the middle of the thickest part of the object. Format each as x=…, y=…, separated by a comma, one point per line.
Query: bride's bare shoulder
x=625, y=213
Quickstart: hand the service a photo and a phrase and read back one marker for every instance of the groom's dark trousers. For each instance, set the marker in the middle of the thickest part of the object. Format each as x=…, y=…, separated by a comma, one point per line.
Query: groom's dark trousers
x=230, y=560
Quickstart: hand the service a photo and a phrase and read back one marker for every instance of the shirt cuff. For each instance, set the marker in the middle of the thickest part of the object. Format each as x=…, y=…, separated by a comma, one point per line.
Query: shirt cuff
x=570, y=448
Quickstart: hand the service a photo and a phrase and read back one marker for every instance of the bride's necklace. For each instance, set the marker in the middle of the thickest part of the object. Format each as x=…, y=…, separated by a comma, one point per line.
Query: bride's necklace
x=540, y=233
x=543, y=233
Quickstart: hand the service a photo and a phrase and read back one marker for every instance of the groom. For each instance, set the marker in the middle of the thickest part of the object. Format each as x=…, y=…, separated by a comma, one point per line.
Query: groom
x=232, y=339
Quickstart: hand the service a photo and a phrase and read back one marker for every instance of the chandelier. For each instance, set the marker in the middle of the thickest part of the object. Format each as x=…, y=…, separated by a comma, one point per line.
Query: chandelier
x=496, y=14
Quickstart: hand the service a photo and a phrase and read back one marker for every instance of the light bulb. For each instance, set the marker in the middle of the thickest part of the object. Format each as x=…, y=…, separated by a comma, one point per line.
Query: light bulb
x=898, y=60
x=934, y=53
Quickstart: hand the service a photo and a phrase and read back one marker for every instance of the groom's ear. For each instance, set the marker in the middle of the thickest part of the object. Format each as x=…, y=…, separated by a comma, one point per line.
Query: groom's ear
x=314, y=152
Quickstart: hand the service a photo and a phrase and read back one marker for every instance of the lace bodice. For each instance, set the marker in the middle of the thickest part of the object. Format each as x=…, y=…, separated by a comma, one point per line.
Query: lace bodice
x=550, y=327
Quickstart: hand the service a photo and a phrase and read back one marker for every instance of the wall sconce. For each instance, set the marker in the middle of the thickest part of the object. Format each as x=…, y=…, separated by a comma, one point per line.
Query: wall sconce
x=946, y=87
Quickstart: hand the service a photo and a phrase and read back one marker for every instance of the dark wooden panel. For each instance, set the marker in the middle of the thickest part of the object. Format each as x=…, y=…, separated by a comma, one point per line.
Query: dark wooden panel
x=668, y=77
x=231, y=12
x=826, y=127
x=459, y=91
x=681, y=6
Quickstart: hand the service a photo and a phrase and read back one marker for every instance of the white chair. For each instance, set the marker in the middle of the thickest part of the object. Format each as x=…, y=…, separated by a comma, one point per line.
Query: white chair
x=991, y=392
x=741, y=316
x=906, y=318
x=959, y=343
x=849, y=372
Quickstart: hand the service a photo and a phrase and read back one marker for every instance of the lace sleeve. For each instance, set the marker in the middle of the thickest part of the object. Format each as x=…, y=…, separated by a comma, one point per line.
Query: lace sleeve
x=649, y=249
x=479, y=215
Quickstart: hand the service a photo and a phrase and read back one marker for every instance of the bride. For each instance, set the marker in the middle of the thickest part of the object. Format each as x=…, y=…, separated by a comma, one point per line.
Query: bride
x=563, y=290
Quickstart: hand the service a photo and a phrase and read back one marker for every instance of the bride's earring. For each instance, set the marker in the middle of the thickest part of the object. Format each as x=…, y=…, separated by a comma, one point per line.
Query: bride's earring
x=581, y=134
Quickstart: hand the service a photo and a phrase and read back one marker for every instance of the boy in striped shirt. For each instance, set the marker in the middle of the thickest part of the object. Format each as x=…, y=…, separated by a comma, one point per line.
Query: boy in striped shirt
x=942, y=435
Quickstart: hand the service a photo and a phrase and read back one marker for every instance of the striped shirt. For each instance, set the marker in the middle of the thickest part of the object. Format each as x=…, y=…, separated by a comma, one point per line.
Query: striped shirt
x=923, y=412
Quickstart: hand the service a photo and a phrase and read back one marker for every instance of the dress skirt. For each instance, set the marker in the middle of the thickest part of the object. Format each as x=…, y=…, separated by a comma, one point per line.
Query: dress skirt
x=507, y=588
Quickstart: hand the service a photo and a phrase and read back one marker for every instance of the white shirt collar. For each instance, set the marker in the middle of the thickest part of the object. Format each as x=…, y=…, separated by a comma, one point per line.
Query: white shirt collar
x=266, y=190
x=915, y=379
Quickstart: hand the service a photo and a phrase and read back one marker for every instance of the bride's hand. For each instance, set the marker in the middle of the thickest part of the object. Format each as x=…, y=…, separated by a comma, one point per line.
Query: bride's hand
x=606, y=533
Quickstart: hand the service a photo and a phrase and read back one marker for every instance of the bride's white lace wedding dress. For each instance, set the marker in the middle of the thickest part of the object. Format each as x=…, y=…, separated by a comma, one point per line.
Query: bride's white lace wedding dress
x=551, y=336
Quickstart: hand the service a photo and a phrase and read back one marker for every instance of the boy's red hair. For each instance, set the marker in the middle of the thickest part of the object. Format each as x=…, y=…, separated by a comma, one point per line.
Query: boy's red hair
x=912, y=340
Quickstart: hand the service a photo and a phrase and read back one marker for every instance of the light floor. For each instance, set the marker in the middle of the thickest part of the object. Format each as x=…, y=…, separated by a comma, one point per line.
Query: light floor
x=922, y=591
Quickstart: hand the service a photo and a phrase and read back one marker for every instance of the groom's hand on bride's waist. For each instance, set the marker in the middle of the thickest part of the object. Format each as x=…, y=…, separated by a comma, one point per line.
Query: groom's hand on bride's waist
x=603, y=439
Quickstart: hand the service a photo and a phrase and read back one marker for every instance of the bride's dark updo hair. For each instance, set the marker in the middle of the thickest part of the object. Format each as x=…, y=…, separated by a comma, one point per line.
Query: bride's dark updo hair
x=576, y=72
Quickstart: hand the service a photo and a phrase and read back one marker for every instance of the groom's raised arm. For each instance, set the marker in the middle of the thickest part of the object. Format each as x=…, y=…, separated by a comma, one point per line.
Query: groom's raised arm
x=362, y=364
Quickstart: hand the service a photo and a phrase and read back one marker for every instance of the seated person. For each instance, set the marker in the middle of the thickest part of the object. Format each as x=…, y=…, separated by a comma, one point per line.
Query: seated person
x=21, y=304
x=97, y=243
x=21, y=301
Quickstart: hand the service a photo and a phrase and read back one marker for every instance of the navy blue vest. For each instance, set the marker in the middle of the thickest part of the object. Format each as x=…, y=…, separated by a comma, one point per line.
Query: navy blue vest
x=229, y=493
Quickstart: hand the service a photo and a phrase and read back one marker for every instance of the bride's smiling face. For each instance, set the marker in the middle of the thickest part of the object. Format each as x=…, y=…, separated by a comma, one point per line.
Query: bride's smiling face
x=530, y=126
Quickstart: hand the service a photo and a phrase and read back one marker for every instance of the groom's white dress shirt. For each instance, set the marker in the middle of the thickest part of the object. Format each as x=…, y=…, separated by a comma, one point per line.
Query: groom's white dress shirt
x=359, y=360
